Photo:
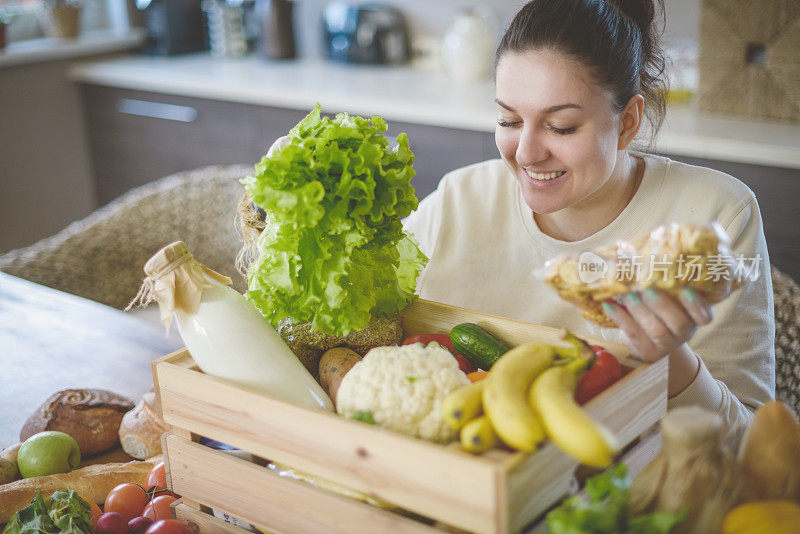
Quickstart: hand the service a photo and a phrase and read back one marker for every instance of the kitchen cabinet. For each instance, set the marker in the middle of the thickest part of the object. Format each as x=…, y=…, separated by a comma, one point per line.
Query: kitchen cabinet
x=136, y=137
x=439, y=150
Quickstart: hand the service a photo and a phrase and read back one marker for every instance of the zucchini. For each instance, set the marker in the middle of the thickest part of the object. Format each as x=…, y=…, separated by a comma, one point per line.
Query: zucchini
x=477, y=344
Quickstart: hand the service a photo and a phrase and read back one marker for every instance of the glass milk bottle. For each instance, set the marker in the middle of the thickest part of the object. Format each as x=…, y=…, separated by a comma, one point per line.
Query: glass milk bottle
x=227, y=337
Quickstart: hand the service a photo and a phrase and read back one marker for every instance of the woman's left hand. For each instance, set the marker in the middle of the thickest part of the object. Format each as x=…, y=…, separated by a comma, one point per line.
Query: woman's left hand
x=655, y=323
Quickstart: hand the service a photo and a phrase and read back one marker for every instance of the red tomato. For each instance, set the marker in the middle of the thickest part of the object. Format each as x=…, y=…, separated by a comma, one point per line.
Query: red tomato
x=169, y=526
x=464, y=364
x=605, y=371
x=158, y=508
x=157, y=477
x=128, y=500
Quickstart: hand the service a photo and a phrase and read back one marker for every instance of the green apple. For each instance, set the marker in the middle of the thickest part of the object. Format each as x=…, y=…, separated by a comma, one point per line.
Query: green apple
x=47, y=453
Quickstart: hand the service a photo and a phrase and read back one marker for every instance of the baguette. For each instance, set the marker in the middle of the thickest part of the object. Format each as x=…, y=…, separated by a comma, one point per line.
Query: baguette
x=92, y=482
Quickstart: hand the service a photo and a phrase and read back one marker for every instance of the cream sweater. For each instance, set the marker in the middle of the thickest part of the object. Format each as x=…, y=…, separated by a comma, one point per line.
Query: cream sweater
x=484, y=248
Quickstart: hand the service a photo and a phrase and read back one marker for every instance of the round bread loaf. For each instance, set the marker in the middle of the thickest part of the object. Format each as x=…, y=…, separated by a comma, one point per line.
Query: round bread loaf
x=91, y=416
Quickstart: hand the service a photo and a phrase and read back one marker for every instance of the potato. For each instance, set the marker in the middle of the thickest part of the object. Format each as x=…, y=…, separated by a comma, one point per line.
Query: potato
x=333, y=365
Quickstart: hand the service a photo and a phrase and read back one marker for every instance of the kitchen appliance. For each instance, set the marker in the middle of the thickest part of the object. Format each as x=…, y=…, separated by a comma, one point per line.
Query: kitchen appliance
x=173, y=26
x=468, y=45
x=364, y=33
x=232, y=26
x=277, y=28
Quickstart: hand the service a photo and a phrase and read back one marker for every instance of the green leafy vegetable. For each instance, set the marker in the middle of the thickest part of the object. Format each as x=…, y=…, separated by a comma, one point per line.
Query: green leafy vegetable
x=333, y=251
x=364, y=417
x=604, y=510
x=63, y=512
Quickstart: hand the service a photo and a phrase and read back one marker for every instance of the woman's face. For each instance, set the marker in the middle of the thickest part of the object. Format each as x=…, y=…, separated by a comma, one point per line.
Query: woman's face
x=556, y=130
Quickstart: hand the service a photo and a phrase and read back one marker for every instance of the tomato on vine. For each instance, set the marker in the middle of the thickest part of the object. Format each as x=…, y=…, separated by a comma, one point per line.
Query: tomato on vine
x=126, y=499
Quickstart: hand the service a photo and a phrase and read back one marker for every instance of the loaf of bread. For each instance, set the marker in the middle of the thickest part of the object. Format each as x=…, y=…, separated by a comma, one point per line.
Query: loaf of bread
x=91, y=483
x=669, y=258
x=141, y=429
x=91, y=416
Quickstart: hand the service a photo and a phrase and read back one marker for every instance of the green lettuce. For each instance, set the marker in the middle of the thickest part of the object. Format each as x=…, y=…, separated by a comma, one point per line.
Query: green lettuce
x=604, y=509
x=333, y=252
x=64, y=512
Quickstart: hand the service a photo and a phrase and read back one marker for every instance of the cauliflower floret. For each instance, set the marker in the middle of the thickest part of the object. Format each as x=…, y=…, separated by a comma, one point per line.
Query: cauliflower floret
x=403, y=389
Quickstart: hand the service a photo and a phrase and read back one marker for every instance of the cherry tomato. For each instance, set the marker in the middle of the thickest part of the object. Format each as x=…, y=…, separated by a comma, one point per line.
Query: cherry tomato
x=127, y=499
x=464, y=364
x=157, y=477
x=158, y=508
x=169, y=526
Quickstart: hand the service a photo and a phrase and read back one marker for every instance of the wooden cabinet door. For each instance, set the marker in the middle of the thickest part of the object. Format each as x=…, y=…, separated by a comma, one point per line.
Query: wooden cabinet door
x=137, y=137
x=440, y=150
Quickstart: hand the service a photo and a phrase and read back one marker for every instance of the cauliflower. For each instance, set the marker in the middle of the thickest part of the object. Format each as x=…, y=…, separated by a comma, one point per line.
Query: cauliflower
x=402, y=388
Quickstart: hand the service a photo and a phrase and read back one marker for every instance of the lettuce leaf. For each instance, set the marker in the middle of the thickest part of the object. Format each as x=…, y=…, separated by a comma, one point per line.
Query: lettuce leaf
x=604, y=509
x=333, y=251
x=64, y=512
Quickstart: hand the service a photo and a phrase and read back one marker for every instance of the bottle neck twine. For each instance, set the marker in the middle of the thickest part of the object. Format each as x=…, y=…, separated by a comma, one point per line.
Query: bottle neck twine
x=149, y=292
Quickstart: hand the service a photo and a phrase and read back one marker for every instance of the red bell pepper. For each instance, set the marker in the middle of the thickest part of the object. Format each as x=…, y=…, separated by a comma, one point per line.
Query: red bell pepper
x=605, y=371
x=464, y=364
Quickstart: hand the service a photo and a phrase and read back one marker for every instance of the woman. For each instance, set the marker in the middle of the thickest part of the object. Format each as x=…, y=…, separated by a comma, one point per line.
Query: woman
x=573, y=81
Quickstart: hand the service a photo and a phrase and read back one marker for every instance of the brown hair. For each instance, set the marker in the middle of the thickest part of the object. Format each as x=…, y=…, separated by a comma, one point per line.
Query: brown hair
x=616, y=39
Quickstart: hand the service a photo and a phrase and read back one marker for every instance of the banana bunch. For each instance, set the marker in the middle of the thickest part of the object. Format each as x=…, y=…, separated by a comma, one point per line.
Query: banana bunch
x=526, y=398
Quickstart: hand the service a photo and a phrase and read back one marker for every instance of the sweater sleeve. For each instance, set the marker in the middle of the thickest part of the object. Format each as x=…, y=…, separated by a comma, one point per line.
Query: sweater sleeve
x=738, y=347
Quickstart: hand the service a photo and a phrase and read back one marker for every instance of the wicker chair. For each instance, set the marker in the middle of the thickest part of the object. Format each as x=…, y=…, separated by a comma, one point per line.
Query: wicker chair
x=787, y=339
x=101, y=257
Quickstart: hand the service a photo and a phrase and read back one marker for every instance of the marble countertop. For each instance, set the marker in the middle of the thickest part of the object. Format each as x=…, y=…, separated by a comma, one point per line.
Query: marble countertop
x=414, y=95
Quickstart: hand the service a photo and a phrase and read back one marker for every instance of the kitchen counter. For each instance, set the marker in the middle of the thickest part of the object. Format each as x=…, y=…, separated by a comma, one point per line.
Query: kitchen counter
x=416, y=96
x=89, y=43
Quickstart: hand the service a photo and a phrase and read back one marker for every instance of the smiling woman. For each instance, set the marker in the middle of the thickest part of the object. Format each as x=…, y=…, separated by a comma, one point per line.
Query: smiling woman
x=575, y=79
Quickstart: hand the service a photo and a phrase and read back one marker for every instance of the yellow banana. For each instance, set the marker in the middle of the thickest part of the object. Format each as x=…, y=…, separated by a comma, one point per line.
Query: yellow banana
x=566, y=423
x=505, y=394
x=478, y=435
x=462, y=404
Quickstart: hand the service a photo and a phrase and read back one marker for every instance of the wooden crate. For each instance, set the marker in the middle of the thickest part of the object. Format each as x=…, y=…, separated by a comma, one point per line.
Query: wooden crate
x=499, y=491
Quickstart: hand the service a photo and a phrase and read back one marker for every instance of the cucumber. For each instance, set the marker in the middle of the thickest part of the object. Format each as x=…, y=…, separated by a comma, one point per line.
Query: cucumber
x=478, y=345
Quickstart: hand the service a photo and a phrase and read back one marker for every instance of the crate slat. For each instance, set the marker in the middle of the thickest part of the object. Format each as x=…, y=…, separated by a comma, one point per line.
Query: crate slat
x=203, y=523
x=261, y=497
x=409, y=472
